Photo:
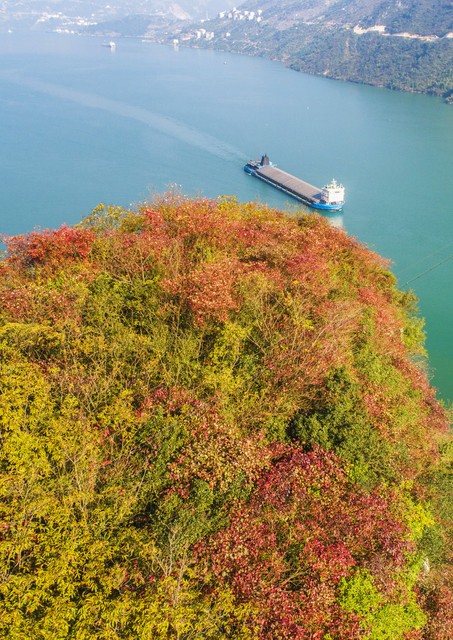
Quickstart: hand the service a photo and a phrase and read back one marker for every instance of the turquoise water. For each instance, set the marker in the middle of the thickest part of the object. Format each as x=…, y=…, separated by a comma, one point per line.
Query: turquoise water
x=80, y=125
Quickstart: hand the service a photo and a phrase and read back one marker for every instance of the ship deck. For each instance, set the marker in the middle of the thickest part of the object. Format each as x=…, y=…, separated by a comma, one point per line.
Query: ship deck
x=290, y=183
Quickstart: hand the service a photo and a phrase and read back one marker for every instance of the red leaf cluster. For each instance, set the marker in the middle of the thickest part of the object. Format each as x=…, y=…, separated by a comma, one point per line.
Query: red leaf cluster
x=305, y=528
x=49, y=247
x=209, y=290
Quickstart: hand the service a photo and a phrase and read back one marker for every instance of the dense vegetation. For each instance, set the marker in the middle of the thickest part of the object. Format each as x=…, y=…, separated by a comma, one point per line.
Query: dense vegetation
x=215, y=424
x=395, y=63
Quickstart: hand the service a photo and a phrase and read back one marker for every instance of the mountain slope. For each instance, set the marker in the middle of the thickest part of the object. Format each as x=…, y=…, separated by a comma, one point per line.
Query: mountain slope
x=407, y=45
x=424, y=17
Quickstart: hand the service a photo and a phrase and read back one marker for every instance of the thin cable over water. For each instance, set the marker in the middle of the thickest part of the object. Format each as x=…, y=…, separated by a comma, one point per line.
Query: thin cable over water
x=428, y=270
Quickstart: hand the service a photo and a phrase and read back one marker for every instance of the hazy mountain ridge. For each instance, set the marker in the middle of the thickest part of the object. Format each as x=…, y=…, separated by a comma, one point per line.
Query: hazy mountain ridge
x=76, y=14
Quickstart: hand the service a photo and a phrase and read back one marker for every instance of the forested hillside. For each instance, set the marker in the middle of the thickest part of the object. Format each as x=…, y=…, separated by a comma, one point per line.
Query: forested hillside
x=422, y=17
x=215, y=424
x=405, y=45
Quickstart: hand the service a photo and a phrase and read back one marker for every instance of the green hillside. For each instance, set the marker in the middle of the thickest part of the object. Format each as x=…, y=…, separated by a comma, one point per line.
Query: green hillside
x=406, y=46
x=215, y=424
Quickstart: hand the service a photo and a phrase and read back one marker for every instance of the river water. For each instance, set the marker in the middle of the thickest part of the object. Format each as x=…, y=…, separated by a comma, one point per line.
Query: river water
x=81, y=124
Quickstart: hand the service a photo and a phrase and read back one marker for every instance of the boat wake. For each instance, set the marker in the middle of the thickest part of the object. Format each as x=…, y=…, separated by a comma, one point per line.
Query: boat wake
x=157, y=121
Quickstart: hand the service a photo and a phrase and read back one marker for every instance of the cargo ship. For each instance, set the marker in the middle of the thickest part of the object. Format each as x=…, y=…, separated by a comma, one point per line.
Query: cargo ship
x=329, y=198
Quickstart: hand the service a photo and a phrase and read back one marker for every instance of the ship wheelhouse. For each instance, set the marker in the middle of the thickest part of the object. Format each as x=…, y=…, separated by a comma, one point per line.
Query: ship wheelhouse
x=332, y=193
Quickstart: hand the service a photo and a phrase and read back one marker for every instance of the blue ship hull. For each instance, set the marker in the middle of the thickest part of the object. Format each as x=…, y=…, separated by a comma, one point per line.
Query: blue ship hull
x=326, y=207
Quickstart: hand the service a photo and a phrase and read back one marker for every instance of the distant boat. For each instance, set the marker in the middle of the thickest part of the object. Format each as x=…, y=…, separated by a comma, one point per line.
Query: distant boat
x=110, y=45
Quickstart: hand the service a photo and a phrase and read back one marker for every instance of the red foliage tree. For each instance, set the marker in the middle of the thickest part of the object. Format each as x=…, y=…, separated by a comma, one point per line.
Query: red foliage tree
x=49, y=247
x=305, y=528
